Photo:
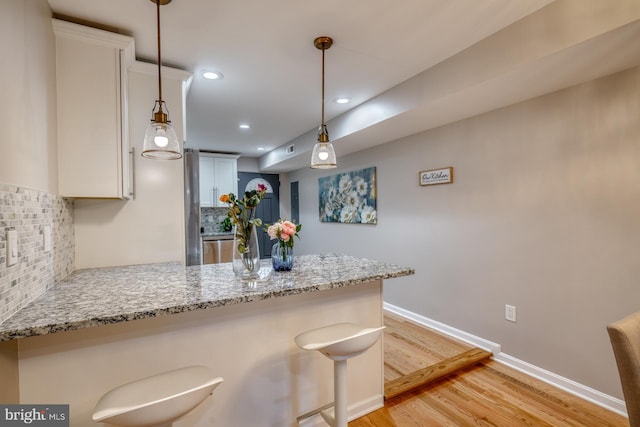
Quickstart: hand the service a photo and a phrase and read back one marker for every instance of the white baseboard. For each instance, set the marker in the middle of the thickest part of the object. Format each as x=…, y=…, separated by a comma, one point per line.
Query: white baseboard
x=445, y=329
x=364, y=407
x=587, y=393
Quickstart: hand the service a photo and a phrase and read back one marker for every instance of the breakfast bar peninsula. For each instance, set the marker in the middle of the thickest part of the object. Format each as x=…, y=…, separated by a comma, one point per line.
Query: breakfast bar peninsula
x=100, y=328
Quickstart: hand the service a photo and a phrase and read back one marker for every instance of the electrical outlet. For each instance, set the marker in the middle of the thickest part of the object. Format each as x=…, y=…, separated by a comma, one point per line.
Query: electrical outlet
x=510, y=312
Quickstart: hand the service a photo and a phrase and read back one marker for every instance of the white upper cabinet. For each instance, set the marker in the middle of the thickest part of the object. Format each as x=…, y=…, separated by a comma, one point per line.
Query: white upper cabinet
x=218, y=176
x=93, y=142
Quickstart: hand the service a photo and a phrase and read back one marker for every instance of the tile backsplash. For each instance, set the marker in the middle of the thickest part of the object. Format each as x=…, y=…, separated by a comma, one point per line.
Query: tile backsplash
x=28, y=212
x=210, y=219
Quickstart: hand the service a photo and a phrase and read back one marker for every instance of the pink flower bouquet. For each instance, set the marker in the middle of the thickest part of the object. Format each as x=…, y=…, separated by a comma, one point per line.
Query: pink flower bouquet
x=285, y=231
x=282, y=252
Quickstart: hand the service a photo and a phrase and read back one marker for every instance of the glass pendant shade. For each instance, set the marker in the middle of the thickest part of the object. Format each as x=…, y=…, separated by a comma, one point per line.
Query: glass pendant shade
x=161, y=142
x=323, y=155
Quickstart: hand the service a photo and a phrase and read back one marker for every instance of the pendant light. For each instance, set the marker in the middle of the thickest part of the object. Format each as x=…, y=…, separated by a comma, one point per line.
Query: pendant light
x=323, y=156
x=160, y=140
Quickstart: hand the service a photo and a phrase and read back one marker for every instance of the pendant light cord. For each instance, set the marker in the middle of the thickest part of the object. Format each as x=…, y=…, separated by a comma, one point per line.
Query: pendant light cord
x=323, y=86
x=159, y=57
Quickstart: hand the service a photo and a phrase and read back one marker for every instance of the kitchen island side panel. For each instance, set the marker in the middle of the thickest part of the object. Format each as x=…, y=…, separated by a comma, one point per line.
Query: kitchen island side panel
x=268, y=381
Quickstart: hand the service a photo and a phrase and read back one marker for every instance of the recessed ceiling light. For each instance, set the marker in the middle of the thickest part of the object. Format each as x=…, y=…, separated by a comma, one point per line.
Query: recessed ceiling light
x=260, y=148
x=244, y=126
x=342, y=100
x=212, y=75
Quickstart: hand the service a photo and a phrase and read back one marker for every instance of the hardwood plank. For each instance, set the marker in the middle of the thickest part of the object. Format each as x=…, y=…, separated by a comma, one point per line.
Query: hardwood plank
x=410, y=347
x=434, y=372
x=380, y=418
x=425, y=339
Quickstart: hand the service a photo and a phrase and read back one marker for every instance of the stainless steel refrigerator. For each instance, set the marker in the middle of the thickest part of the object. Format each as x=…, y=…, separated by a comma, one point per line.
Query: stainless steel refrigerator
x=192, y=206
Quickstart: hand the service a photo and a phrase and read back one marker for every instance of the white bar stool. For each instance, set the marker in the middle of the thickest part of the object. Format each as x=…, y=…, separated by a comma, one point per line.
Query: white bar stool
x=158, y=400
x=338, y=342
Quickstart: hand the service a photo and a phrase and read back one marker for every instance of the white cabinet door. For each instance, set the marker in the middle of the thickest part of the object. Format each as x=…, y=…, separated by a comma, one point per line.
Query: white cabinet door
x=207, y=181
x=218, y=176
x=226, y=177
x=93, y=149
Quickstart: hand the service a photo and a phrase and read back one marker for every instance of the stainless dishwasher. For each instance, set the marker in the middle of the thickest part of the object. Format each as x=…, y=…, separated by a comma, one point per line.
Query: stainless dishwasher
x=217, y=249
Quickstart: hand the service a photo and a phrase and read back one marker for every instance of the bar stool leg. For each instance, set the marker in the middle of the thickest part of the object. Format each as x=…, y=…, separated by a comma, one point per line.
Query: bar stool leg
x=338, y=342
x=340, y=392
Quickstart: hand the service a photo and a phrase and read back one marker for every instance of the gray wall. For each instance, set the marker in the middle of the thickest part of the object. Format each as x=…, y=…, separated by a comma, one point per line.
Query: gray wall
x=544, y=214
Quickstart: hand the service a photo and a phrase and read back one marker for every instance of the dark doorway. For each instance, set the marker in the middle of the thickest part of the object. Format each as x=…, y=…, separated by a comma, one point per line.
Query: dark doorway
x=269, y=208
x=295, y=203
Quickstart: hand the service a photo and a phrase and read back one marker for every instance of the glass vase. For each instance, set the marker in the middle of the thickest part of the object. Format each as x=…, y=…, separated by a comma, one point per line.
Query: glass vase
x=246, y=253
x=281, y=257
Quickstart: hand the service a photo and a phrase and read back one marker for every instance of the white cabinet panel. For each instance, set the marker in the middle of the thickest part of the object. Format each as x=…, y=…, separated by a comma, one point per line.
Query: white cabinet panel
x=207, y=181
x=226, y=176
x=91, y=78
x=218, y=176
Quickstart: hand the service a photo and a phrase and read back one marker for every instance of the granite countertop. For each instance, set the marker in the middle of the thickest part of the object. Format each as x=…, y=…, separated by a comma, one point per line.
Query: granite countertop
x=102, y=296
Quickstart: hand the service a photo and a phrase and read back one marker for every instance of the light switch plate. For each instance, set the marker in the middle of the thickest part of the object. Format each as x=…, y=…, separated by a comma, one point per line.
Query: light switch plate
x=510, y=313
x=12, y=247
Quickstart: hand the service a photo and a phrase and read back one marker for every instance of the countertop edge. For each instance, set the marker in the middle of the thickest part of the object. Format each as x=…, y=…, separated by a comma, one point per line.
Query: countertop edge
x=26, y=332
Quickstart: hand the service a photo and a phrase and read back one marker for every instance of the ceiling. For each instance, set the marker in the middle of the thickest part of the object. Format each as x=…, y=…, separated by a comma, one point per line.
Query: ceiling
x=272, y=71
x=407, y=66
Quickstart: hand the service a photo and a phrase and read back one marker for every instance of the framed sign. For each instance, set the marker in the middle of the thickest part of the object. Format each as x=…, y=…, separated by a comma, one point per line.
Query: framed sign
x=436, y=176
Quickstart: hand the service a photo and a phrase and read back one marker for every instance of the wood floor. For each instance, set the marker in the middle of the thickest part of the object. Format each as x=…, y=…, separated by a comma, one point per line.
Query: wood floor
x=485, y=394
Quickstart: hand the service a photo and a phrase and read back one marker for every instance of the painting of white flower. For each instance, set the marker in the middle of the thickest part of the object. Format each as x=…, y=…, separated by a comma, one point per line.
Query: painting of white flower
x=349, y=197
x=368, y=215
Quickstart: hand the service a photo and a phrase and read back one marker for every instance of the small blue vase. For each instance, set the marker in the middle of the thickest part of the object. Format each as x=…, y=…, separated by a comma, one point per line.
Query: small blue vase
x=281, y=257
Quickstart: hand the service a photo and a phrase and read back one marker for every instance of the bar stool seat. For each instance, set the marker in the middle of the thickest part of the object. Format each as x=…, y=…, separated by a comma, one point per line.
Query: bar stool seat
x=339, y=342
x=157, y=400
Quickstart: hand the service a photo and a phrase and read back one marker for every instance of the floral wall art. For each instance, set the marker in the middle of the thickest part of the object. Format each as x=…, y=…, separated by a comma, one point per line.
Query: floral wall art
x=349, y=197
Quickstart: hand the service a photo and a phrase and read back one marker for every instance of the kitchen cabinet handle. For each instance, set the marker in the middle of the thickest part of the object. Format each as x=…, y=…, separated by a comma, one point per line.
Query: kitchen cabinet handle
x=132, y=169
